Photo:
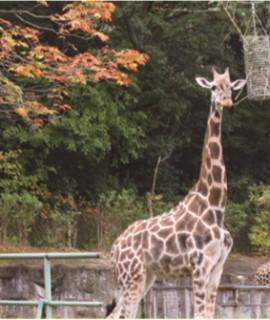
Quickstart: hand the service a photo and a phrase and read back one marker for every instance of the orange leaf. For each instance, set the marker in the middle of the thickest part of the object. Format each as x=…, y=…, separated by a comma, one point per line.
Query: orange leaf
x=61, y=79
x=21, y=111
x=62, y=107
x=38, y=122
x=43, y=2
x=37, y=107
x=130, y=59
x=103, y=37
x=29, y=70
x=80, y=24
x=43, y=213
x=5, y=22
x=31, y=34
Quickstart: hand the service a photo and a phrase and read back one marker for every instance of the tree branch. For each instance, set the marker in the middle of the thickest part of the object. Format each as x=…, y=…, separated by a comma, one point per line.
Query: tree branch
x=154, y=182
x=33, y=25
x=130, y=33
x=17, y=13
x=225, y=9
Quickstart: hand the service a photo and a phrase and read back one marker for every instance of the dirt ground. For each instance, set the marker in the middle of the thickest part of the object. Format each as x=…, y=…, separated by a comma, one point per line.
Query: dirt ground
x=242, y=265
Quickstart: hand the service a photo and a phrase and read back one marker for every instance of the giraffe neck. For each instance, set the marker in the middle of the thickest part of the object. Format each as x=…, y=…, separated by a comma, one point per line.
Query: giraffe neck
x=212, y=182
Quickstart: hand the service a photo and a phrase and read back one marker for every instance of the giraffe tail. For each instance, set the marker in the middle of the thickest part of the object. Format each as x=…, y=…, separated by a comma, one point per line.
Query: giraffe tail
x=110, y=307
x=114, y=308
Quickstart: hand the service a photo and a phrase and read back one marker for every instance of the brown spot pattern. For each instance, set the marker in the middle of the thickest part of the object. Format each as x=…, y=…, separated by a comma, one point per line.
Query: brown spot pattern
x=208, y=163
x=182, y=240
x=217, y=173
x=198, y=241
x=202, y=188
x=164, y=233
x=137, y=240
x=209, y=217
x=215, y=128
x=219, y=217
x=224, y=200
x=214, y=150
x=200, y=228
x=228, y=240
x=214, y=197
x=157, y=247
x=166, y=221
x=177, y=261
x=187, y=223
x=171, y=246
x=216, y=232
x=145, y=239
x=198, y=205
x=155, y=228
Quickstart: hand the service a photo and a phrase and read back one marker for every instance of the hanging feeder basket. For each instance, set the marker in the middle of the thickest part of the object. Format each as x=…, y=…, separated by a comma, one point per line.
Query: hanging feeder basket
x=257, y=60
x=257, y=65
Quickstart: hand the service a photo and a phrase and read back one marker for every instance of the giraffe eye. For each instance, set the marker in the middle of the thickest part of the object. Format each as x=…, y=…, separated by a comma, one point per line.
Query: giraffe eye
x=213, y=87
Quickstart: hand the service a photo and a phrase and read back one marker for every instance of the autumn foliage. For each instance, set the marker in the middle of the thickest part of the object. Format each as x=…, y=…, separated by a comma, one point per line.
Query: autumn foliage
x=35, y=76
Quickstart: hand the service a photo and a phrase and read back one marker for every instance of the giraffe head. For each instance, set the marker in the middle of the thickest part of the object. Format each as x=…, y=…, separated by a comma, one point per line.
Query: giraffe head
x=221, y=88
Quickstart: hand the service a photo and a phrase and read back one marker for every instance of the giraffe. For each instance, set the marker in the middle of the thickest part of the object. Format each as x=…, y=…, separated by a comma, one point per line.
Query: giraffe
x=191, y=238
x=262, y=275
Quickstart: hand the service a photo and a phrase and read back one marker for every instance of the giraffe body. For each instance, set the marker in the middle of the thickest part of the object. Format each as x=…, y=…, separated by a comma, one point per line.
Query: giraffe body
x=262, y=275
x=190, y=239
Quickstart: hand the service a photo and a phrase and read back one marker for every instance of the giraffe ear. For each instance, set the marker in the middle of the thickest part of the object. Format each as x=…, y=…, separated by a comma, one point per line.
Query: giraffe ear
x=238, y=84
x=204, y=83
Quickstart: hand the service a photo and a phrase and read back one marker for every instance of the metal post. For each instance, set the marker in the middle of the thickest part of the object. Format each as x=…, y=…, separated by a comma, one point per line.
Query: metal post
x=46, y=304
x=40, y=309
x=155, y=313
x=187, y=303
x=253, y=11
x=164, y=297
x=48, y=287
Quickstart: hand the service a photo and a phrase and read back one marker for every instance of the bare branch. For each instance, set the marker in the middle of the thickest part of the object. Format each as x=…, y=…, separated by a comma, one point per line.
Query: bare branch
x=33, y=25
x=25, y=12
x=231, y=19
x=154, y=182
x=18, y=13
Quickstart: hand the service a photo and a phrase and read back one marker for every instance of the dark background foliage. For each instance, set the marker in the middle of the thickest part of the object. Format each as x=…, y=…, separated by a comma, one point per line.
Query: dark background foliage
x=84, y=179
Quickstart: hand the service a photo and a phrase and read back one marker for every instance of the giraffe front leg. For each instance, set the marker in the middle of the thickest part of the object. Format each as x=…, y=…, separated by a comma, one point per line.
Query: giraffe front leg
x=214, y=281
x=212, y=289
x=118, y=311
x=132, y=295
x=200, y=277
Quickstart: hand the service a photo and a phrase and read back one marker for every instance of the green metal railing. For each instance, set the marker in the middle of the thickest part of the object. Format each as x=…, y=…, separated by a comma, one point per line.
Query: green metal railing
x=47, y=303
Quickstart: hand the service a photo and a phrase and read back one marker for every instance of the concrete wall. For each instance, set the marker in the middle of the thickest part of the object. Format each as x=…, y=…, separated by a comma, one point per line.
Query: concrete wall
x=94, y=281
x=22, y=282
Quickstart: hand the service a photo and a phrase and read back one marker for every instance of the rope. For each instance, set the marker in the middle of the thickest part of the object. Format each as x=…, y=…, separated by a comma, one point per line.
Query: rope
x=239, y=101
x=262, y=27
x=253, y=13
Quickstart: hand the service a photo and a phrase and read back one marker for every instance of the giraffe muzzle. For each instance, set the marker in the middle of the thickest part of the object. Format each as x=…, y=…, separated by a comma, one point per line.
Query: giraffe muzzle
x=227, y=103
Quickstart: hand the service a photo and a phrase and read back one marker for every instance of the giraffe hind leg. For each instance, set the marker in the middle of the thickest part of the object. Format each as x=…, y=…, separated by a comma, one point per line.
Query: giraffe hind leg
x=118, y=311
x=150, y=280
x=214, y=281
x=132, y=293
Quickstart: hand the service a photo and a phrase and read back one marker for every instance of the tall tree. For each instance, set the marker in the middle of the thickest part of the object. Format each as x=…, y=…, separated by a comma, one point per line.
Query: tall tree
x=45, y=50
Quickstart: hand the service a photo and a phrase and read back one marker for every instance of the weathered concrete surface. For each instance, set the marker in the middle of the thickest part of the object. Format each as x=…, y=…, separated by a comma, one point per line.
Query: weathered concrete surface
x=80, y=280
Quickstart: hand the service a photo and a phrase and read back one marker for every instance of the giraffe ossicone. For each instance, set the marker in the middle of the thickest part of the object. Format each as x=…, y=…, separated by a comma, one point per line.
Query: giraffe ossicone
x=191, y=238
